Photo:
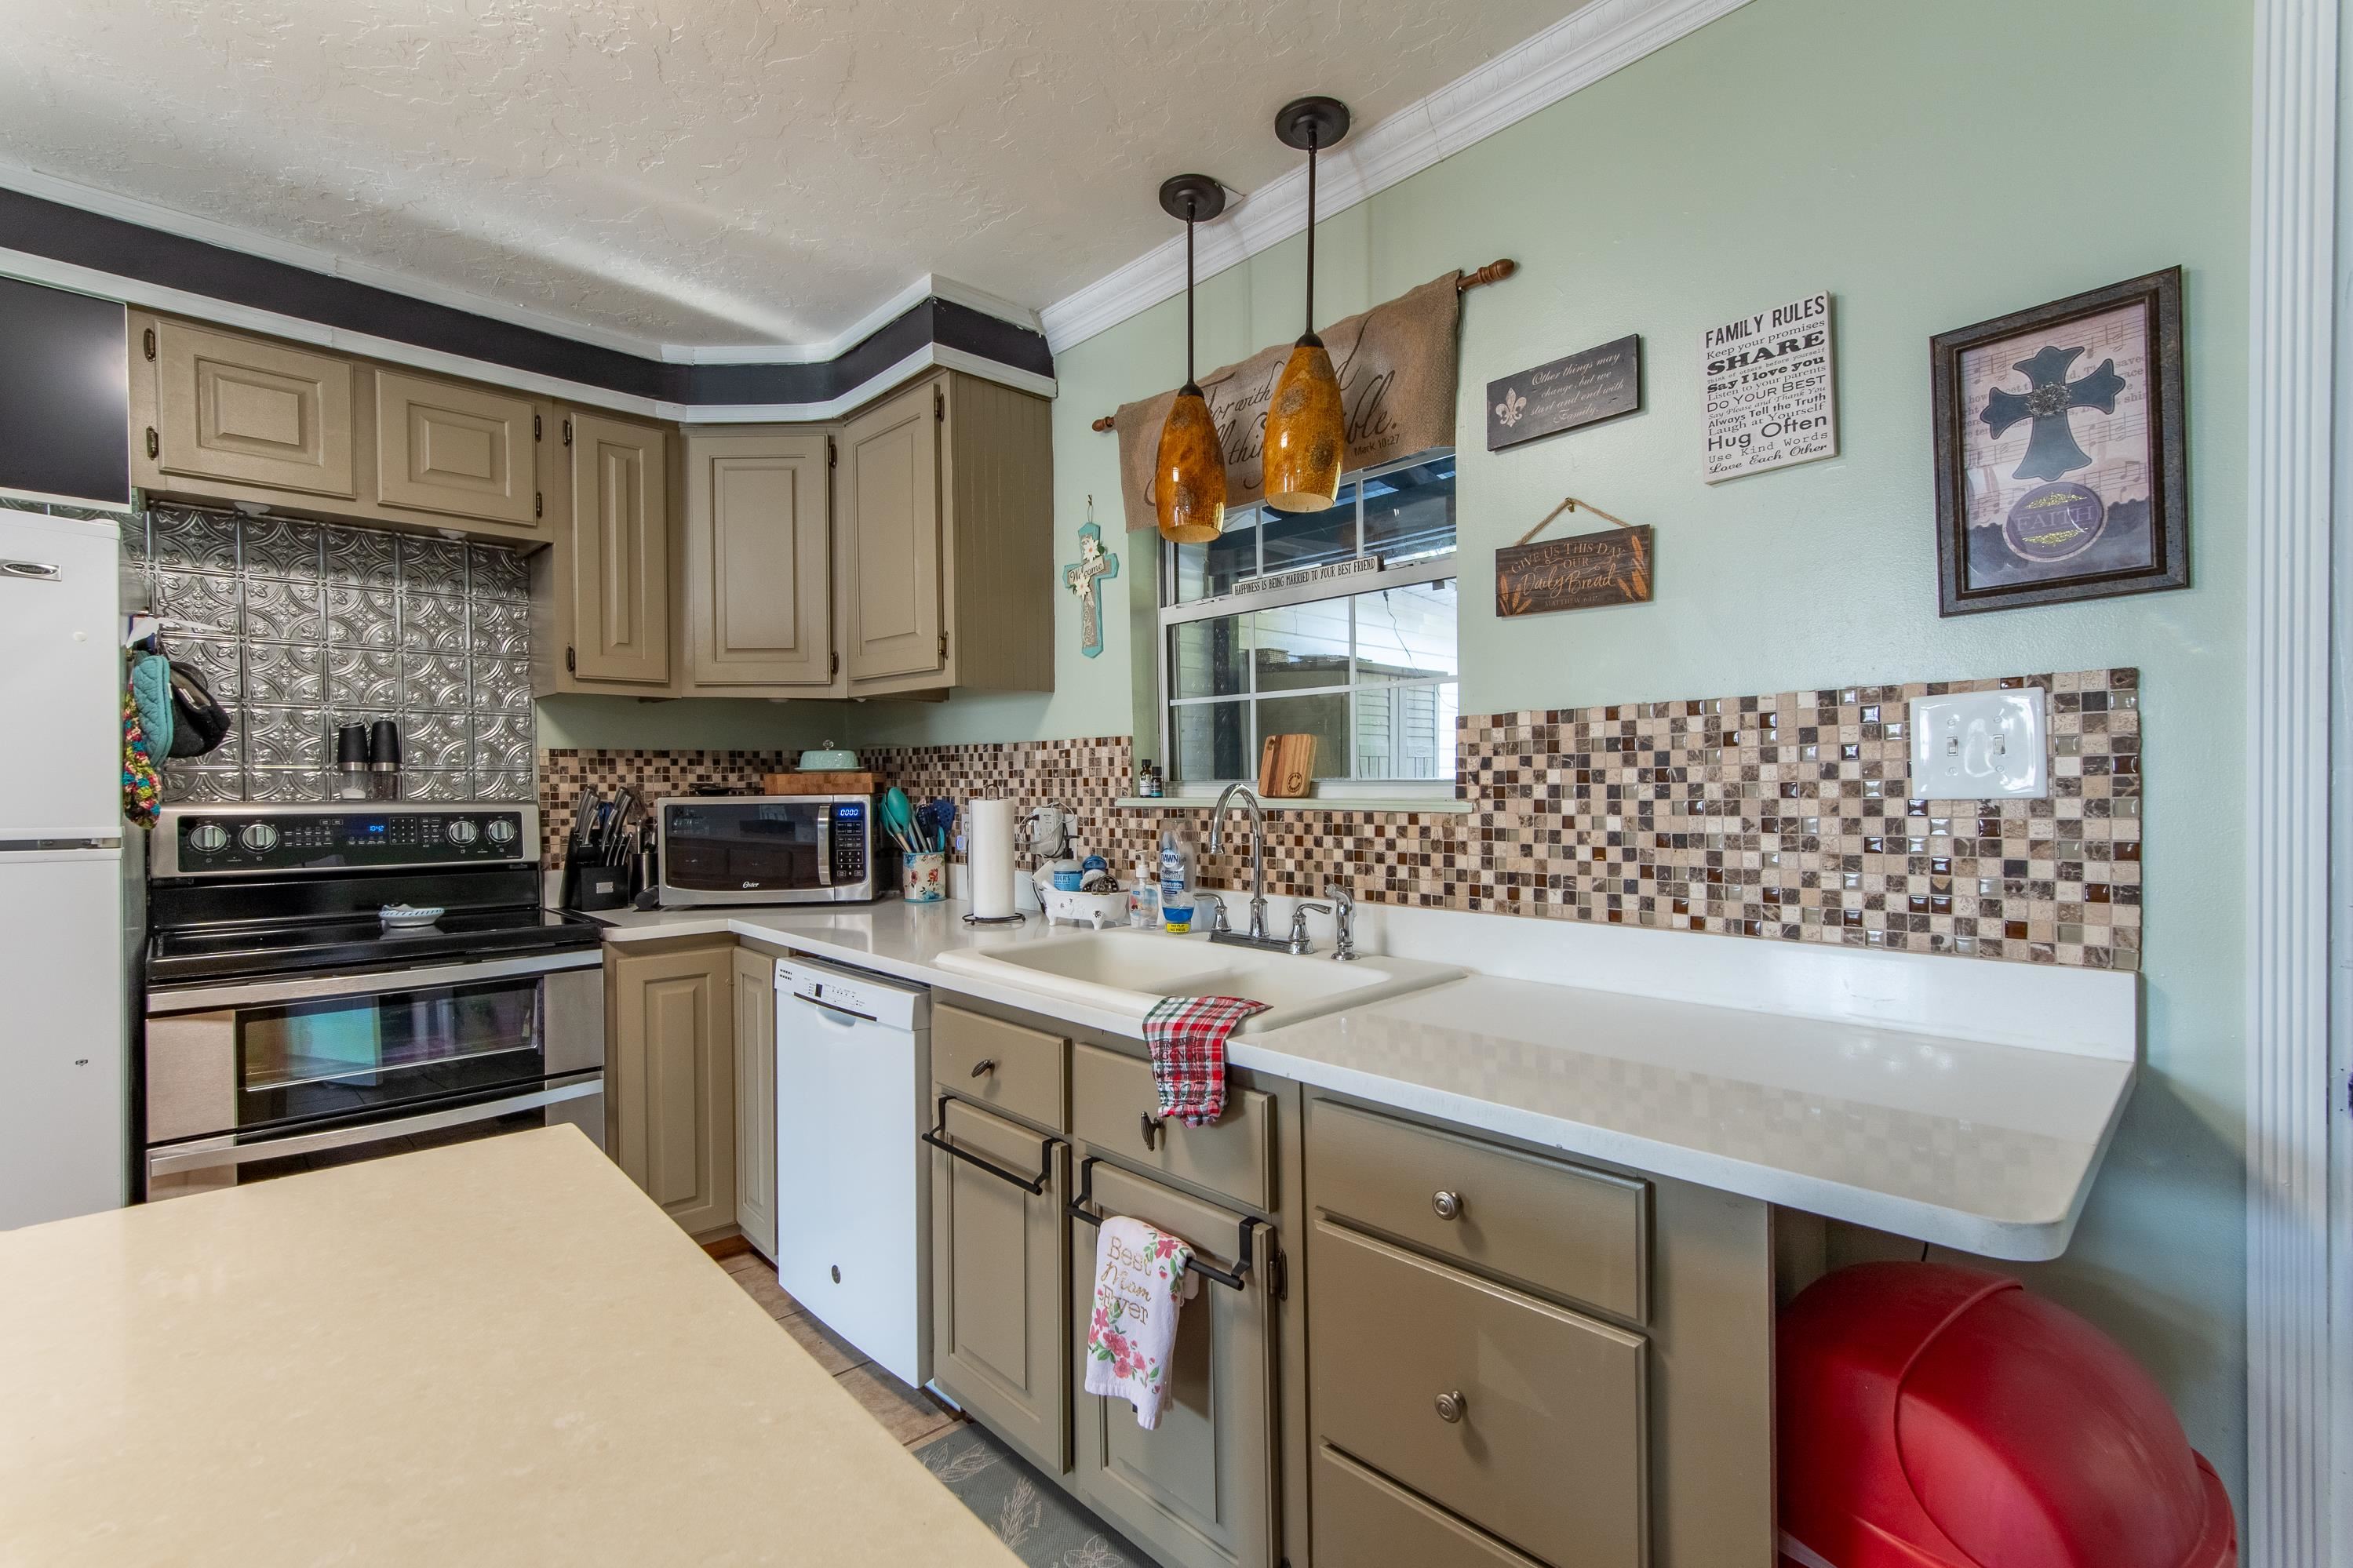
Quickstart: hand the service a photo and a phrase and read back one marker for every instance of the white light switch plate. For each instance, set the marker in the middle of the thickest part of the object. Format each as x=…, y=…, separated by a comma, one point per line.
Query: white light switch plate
x=1980, y=746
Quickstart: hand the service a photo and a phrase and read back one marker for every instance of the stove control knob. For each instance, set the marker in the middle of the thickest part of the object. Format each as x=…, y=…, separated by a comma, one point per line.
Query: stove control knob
x=210, y=837
x=462, y=831
x=502, y=830
x=259, y=836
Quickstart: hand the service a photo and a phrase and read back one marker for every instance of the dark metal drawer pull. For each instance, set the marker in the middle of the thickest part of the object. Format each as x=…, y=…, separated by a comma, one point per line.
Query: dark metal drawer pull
x=1151, y=1132
x=937, y=1139
x=1081, y=1208
x=984, y=1066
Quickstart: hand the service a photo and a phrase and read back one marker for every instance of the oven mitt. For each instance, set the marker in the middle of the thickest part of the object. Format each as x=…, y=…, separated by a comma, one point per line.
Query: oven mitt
x=150, y=687
x=199, y=724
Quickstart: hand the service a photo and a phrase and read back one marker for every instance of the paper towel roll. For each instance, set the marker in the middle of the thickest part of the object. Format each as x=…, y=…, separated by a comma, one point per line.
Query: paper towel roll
x=990, y=851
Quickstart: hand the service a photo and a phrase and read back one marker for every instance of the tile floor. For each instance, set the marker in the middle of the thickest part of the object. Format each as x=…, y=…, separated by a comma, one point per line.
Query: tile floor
x=909, y=1415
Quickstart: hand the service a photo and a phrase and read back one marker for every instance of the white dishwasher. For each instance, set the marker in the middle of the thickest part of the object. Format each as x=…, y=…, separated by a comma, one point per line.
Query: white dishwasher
x=853, y=1205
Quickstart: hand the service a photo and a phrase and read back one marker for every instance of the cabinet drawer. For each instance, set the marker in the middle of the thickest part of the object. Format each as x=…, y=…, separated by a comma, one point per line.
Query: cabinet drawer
x=1113, y=1101
x=1550, y=1447
x=1361, y=1517
x=1563, y=1231
x=1003, y=1066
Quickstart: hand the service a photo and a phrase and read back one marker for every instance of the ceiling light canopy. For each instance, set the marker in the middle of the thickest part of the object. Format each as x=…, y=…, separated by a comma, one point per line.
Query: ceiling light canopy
x=1304, y=427
x=1189, y=475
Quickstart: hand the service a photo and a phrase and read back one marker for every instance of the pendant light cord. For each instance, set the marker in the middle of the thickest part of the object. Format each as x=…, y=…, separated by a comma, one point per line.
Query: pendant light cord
x=1311, y=231
x=1188, y=290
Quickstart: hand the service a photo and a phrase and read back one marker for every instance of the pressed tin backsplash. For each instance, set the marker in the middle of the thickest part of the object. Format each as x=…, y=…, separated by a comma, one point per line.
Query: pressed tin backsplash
x=1781, y=817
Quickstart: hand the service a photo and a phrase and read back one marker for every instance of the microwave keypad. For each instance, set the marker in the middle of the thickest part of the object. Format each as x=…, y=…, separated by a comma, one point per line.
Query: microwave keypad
x=848, y=843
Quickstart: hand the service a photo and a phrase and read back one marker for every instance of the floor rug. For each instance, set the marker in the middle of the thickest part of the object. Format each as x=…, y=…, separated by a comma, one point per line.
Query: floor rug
x=1029, y=1513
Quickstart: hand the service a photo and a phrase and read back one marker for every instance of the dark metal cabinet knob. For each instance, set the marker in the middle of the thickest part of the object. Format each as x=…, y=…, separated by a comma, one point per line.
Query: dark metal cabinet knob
x=1451, y=1405
x=1446, y=1205
x=984, y=1066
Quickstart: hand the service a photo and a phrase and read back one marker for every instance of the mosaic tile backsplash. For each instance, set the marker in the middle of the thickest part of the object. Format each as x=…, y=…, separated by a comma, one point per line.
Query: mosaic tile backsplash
x=1781, y=817
x=311, y=625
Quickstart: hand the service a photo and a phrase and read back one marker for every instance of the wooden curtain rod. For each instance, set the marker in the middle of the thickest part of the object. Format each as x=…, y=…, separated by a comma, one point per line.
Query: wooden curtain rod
x=1493, y=273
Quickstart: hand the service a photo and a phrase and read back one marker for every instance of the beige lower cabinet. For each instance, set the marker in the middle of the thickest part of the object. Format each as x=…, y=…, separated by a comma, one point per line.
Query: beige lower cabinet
x=669, y=1075
x=1202, y=1489
x=755, y=1099
x=1000, y=1279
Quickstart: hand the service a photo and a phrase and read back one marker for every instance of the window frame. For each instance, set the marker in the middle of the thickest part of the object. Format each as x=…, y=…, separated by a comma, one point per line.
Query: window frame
x=1436, y=569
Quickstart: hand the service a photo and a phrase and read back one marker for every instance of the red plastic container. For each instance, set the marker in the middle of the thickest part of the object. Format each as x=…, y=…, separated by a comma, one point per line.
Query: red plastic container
x=1940, y=1418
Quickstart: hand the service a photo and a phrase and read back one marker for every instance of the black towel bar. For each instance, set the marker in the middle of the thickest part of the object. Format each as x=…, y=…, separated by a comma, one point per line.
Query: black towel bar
x=1236, y=1280
x=937, y=1139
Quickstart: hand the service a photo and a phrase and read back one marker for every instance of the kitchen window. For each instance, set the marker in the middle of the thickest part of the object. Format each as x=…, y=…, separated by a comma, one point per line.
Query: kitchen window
x=1364, y=659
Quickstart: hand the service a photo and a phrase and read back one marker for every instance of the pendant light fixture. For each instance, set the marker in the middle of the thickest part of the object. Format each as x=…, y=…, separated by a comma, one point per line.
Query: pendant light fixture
x=1304, y=427
x=1188, y=477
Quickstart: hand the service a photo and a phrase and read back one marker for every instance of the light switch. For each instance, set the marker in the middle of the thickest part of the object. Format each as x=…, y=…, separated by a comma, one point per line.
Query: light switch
x=1980, y=746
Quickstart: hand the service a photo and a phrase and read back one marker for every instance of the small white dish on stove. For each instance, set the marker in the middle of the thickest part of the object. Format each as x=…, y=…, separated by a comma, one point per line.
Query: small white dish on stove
x=408, y=917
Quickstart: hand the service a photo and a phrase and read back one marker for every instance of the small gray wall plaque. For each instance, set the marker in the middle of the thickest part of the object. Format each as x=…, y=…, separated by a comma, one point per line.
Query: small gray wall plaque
x=1581, y=389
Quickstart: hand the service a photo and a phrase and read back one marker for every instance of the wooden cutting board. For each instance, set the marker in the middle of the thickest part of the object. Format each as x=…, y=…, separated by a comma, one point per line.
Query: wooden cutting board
x=1286, y=766
x=817, y=784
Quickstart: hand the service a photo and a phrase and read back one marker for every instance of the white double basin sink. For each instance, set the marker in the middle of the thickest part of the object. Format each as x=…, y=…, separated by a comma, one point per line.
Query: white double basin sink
x=1128, y=972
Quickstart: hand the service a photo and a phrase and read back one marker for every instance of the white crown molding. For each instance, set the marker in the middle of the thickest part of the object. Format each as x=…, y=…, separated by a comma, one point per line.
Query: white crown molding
x=228, y=236
x=2296, y=1434
x=34, y=268
x=1573, y=53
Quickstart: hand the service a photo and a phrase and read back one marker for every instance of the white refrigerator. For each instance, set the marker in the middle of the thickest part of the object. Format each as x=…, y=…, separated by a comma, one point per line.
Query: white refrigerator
x=64, y=1056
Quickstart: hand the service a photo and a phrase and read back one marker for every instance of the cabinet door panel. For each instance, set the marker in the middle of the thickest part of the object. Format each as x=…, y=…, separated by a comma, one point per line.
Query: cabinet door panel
x=1199, y=1489
x=1000, y=1284
x=460, y=450
x=235, y=408
x=755, y=1099
x=621, y=552
x=890, y=497
x=1116, y=1107
x=672, y=1080
x=760, y=582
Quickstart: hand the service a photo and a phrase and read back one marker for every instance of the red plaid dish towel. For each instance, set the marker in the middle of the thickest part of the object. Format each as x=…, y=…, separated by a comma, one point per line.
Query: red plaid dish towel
x=1188, y=1038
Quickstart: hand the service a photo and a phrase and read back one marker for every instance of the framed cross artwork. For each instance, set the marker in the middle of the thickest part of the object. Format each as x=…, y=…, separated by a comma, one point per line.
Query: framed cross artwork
x=2062, y=468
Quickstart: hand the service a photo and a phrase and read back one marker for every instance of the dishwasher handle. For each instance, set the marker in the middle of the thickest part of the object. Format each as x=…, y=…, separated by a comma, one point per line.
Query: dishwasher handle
x=937, y=1137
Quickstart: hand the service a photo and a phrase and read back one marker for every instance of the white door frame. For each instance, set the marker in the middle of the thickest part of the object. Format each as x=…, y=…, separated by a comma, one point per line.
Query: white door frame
x=2297, y=1438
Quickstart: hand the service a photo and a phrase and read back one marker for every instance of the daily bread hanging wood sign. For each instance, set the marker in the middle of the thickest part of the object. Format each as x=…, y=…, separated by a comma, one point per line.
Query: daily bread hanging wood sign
x=1581, y=574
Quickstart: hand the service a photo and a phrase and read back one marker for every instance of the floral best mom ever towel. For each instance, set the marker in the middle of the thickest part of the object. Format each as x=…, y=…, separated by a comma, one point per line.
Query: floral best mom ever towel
x=1142, y=1280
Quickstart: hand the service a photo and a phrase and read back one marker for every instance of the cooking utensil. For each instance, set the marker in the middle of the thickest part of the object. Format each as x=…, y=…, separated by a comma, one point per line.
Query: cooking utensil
x=900, y=818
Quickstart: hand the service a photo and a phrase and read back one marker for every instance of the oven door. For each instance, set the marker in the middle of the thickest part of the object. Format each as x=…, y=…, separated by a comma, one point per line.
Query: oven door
x=267, y=1058
x=766, y=850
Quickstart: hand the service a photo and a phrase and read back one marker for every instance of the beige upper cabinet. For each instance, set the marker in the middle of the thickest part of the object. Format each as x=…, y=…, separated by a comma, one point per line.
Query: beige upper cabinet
x=619, y=552
x=891, y=538
x=943, y=509
x=759, y=564
x=246, y=411
x=463, y=451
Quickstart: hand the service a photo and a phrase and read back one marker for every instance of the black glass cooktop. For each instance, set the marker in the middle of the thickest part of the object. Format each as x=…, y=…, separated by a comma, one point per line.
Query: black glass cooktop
x=233, y=950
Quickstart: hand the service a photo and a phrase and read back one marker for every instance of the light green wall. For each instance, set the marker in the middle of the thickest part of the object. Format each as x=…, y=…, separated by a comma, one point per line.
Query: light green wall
x=702, y=724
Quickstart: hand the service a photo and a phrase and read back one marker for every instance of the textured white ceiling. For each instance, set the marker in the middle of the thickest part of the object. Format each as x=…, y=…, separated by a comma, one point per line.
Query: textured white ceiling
x=699, y=171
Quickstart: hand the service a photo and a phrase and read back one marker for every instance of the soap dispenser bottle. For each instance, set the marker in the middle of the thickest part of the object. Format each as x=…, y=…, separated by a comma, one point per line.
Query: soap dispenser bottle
x=1143, y=899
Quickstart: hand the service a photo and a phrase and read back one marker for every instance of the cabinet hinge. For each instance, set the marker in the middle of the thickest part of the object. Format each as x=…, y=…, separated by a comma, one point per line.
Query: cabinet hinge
x=567, y=431
x=939, y=405
x=154, y=444
x=1278, y=1275
x=538, y=503
x=538, y=431
x=832, y=454
x=944, y=645
x=570, y=662
x=833, y=666
x=147, y=341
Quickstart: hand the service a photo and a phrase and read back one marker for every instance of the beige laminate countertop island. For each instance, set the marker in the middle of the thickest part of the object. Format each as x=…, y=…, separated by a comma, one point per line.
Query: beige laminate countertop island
x=494, y=1353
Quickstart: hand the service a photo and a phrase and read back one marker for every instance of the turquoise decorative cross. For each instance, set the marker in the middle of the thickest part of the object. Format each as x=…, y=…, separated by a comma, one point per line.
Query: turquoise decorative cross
x=1093, y=563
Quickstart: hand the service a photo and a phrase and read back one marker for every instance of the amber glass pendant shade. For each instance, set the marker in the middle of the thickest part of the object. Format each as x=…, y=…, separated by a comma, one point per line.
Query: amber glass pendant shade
x=1304, y=430
x=1188, y=474
x=1188, y=478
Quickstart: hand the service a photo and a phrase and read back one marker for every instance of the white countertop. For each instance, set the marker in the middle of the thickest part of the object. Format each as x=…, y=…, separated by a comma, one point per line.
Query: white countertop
x=496, y=1351
x=1985, y=1145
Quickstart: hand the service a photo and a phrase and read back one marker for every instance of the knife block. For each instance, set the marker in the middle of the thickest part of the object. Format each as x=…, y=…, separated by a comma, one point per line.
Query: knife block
x=589, y=887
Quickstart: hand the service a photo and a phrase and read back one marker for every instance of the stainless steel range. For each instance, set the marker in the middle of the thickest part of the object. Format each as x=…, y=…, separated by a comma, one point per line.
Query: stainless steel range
x=331, y=983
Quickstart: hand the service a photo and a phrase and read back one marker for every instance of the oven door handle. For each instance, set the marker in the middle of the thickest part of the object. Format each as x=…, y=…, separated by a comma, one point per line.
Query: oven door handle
x=317, y=987
x=213, y=1152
